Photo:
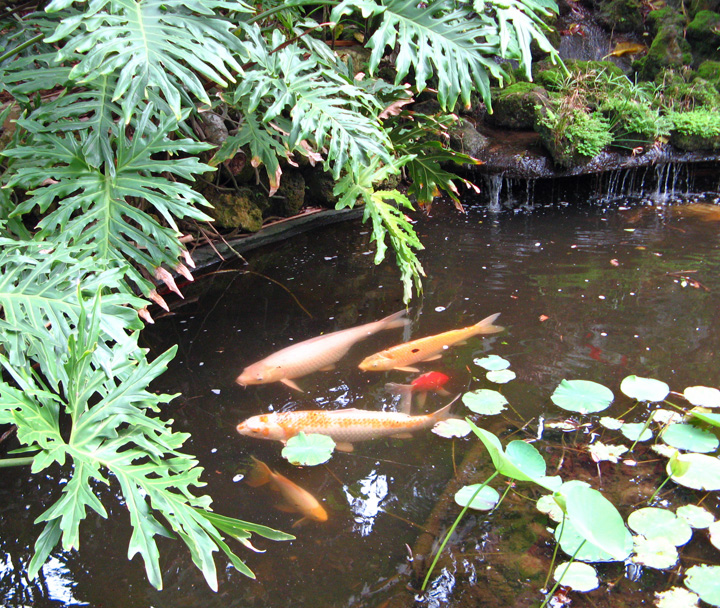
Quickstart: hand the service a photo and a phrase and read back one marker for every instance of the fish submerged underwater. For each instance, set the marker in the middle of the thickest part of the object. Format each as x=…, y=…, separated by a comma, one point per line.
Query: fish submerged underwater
x=295, y=498
x=431, y=381
x=315, y=354
x=343, y=426
x=404, y=356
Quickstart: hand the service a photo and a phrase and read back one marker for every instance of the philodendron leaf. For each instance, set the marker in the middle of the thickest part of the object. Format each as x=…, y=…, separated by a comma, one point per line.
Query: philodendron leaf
x=308, y=450
x=644, y=389
x=676, y=597
x=484, y=500
x=577, y=575
x=653, y=522
x=697, y=471
x=492, y=363
x=485, y=401
x=703, y=396
x=689, y=437
x=582, y=396
x=705, y=581
x=595, y=519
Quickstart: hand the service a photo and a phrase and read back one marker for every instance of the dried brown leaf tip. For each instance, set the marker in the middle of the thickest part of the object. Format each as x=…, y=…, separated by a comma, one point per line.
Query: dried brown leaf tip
x=183, y=270
x=188, y=258
x=158, y=299
x=145, y=315
x=163, y=275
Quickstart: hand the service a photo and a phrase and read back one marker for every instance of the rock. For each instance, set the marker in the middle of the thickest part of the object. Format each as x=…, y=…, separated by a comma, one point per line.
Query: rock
x=514, y=106
x=621, y=15
x=290, y=196
x=695, y=130
x=703, y=34
x=320, y=186
x=242, y=209
x=465, y=138
x=669, y=49
x=710, y=71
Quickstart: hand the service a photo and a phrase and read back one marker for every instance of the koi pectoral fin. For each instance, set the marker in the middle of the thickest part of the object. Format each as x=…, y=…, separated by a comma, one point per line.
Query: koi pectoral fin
x=443, y=392
x=344, y=446
x=327, y=368
x=300, y=522
x=402, y=436
x=433, y=358
x=407, y=369
x=291, y=384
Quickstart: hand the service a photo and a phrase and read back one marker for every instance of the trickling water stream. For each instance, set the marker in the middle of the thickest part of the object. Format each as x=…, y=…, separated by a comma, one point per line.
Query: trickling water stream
x=591, y=292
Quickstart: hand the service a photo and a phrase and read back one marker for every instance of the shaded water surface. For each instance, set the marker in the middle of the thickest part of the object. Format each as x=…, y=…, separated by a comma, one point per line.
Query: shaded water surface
x=584, y=294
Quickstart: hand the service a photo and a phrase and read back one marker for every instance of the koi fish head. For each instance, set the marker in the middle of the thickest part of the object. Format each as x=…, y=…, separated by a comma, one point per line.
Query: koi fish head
x=264, y=426
x=259, y=373
x=374, y=363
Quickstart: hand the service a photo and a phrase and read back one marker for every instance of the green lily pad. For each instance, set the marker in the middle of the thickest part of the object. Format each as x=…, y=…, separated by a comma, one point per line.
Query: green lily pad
x=636, y=431
x=501, y=376
x=705, y=581
x=676, y=597
x=485, y=401
x=548, y=505
x=577, y=576
x=697, y=471
x=611, y=423
x=644, y=389
x=484, y=500
x=452, y=427
x=714, y=532
x=696, y=517
x=703, y=396
x=658, y=553
x=653, y=522
x=689, y=437
x=570, y=540
x=492, y=362
x=308, y=450
x=582, y=396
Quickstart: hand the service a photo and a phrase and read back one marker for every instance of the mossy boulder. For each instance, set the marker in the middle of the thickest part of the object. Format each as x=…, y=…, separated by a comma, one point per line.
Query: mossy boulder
x=695, y=130
x=320, y=185
x=710, y=72
x=660, y=18
x=240, y=209
x=553, y=77
x=621, y=15
x=290, y=197
x=669, y=49
x=685, y=90
x=514, y=106
x=703, y=34
x=465, y=138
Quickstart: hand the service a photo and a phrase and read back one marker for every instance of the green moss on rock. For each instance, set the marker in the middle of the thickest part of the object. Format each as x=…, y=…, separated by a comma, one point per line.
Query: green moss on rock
x=695, y=130
x=514, y=106
x=669, y=49
x=241, y=209
x=703, y=34
x=621, y=15
x=710, y=72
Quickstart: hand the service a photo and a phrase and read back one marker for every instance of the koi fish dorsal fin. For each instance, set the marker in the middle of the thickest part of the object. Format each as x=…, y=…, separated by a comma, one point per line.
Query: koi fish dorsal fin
x=259, y=475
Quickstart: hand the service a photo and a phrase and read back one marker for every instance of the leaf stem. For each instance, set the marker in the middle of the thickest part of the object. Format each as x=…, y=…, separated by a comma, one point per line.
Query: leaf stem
x=21, y=47
x=16, y=462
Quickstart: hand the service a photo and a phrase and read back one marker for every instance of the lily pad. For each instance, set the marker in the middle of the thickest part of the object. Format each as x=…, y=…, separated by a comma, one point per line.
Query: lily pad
x=636, y=431
x=705, y=581
x=548, y=505
x=663, y=416
x=485, y=401
x=600, y=452
x=308, y=450
x=703, y=396
x=653, y=522
x=484, y=500
x=714, y=532
x=696, y=517
x=501, y=376
x=570, y=540
x=689, y=437
x=577, y=576
x=452, y=427
x=676, y=597
x=611, y=423
x=582, y=396
x=644, y=389
x=492, y=362
x=696, y=471
x=658, y=553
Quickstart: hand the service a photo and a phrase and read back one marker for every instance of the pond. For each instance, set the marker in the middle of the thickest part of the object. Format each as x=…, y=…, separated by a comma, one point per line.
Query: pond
x=596, y=292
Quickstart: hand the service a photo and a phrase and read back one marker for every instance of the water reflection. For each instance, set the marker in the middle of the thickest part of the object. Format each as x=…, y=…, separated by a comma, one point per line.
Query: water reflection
x=366, y=502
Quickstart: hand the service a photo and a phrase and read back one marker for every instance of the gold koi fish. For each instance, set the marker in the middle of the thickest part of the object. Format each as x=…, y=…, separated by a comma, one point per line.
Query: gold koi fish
x=319, y=353
x=343, y=426
x=403, y=356
x=295, y=498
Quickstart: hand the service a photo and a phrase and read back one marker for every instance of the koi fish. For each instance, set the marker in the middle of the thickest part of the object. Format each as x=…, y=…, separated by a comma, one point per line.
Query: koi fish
x=343, y=426
x=403, y=356
x=319, y=353
x=432, y=381
x=296, y=499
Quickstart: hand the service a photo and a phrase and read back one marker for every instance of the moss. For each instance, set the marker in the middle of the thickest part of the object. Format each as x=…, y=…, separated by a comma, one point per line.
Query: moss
x=552, y=78
x=634, y=123
x=685, y=90
x=695, y=130
x=622, y=15
x=668, y=49
x=241, y=209
x=710, y=71
x=703, y=34
x=656, y=20
x=514, y=106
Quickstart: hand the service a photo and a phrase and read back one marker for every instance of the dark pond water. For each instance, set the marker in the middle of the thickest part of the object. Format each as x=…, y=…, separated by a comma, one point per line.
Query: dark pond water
x=593, y=292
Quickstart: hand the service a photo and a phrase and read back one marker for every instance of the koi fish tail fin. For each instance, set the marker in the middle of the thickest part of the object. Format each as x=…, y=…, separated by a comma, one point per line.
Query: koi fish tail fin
x=486, y=325
x=259, y=475
x=397, y=319
x=444, y=412
x=406, y=393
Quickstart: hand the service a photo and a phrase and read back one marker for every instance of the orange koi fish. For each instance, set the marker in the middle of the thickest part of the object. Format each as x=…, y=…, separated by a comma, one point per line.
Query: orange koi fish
x=432, y=381
x=343, y=426
x=404, y=356
x=295, y=498
x=319, y=353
